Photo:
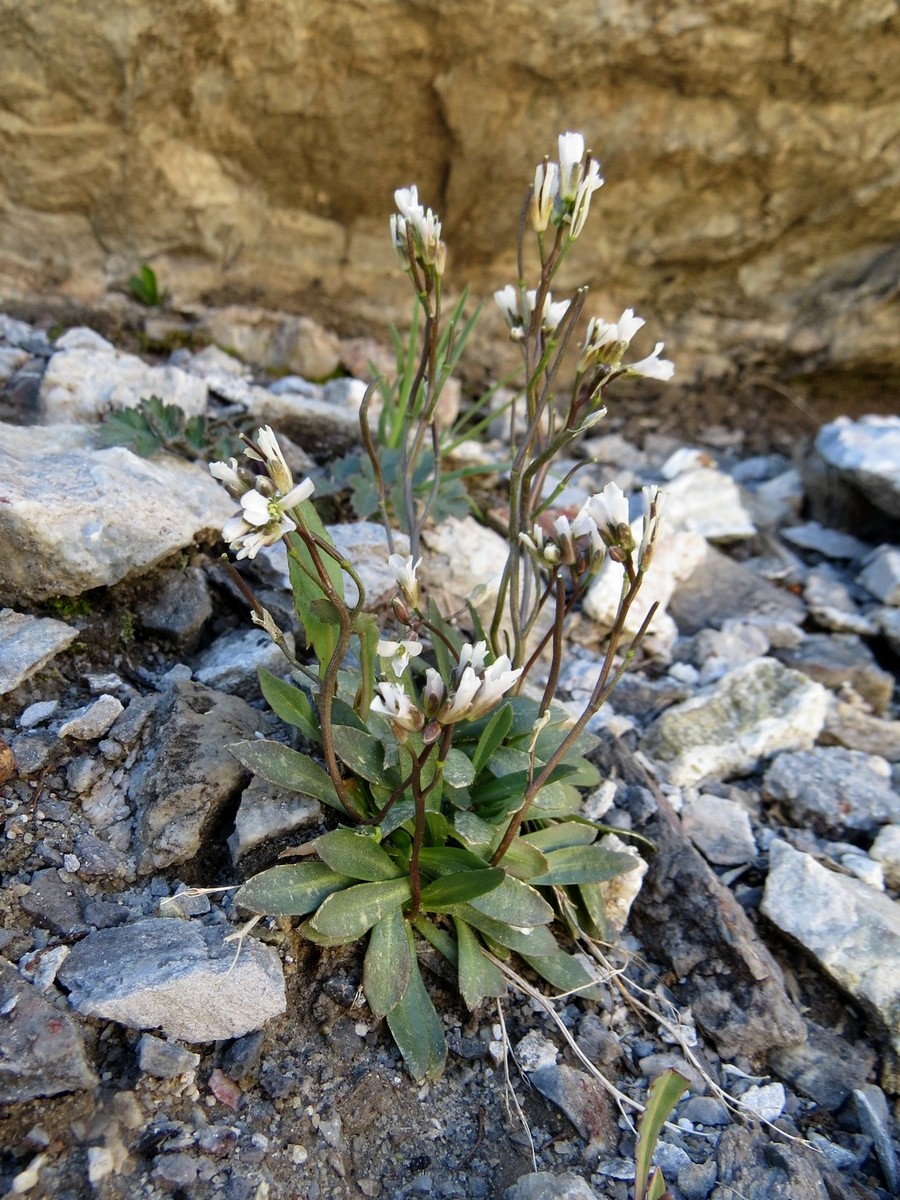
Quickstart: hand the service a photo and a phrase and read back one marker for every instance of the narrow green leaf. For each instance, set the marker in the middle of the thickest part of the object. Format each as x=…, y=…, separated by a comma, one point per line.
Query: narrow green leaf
x=290, y=703
x=361, y=752
x=561, y=834
x=292, y=890
x=662, y=1098
x=357, y=855
x=492, y=737
x=288, y=769
x=590, y=896
x=537, y=941
x=523, y=861
x=459, y=770
x=439, y=938
x=416, y=1027
x=386, y=968
x=565, y=973
x=446, y=860
x=515, y=903
x=478, y=976
x=365, y=626
x=585, y=864
x=478, y=835
x=555, y=802
x=348, y=914
x=311, y=934
x=455, y=889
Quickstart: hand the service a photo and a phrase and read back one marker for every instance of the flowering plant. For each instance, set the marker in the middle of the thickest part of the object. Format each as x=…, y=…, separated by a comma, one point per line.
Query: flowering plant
x=456, y=781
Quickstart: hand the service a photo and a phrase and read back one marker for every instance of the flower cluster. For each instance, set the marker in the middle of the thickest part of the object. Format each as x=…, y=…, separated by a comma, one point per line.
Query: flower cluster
x=265, y=499
x=510, y=302
x=606, y=342
x=600, y=526
x=474, y=690
x=562, y=191
x=416, y=233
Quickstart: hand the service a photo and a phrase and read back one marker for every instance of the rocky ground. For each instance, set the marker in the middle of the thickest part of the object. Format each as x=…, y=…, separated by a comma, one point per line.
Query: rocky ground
x=145, y=1051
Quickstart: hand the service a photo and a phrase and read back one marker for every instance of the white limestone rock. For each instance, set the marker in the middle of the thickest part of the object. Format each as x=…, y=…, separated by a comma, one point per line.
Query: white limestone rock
x=867, y=454
x=719, y=828
x=178, y=976
x=708, y=502
x=727, y=728
x=677, y=554
x=881, y=575
x=852, y=930
x=27, y=643
x=75, y=518
x=886, y=850
x=87, y=377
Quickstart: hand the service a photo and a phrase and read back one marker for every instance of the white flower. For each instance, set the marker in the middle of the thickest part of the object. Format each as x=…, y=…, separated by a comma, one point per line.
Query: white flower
x=478, y=688
x=546, y=191
x=405, y=574
x=399, y=653
x=397, y=706
x=602, y=334
x=458, y=707
x=424, y=227
x=276, y=466
x=509, y=302
x=653, y=367
x=571, y=152
x=654, y=504
x=498, y=679
x=589, y=184
x=472, y=656
x=539, y=546
x=229, y=474
x=609, y=511
x=434, y=693
x=553, y=313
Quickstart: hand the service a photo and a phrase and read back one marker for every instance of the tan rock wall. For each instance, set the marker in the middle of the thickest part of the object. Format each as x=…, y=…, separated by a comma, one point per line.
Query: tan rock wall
x=248, y=149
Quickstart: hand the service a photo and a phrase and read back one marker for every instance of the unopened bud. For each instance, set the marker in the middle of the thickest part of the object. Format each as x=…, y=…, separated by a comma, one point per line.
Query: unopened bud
x=431, y=732
x=401, y=610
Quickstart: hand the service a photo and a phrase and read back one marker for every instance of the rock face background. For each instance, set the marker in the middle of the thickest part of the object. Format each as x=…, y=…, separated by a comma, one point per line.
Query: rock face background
x=248, y=149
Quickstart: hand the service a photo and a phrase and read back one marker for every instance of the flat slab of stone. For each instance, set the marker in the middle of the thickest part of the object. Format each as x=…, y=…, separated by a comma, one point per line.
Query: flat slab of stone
x=852, y=930
x=719, y=589
x=867, y=453
x=28, y=643
x=833, y=789
x=177, y=976
x=68, y=512
x=726, y=729
x=708, y=502
x=41, y=1048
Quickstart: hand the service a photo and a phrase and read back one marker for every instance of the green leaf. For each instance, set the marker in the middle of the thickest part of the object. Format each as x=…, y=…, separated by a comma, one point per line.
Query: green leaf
x=416, y=1027
x=492, y=737
x=386, y=969
x=288, y=769
x=565, y=973
x=446, y=860
x=515, y=903
x=356, y=854
x=361, y=752
x=439, y=938
x=662, y=1098
x=475, y=833
x=590, y=896
x=313, y=935
x=537, y=941
x=290, y=703
x=292, y=890
x=585, y=864
x=129, y=428
x=459, y=770
x=348, y=914
x=478, y=976
x=555, y=802
x=562, y=834
x=455, y=889
x=365, y=626
x=522, y=860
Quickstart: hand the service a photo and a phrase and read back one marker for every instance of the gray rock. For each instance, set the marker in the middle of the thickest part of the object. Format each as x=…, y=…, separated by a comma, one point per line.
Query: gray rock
x=775, y=501
x=881, y=575
x=69, y=524
x=231, y=663
x=755, y=1168
x=267, y=812
x=886, y=850
x=241, y=1058
x=725, y=729
x=834, y=789
x=178, y=976
x=705, y=1110
x=93, y=721
x=27, y=644
x=181, y=787
x=178, y=1170
x=41, y=1048
x=850, y=929
x=53, y=903
x=37, y=713
x=719, y=828
x=322, y=429
x=888, y=621
x=697, y=1180
x=866, y=453
x=82, y=382
x=584, y=1102
x=180, y=607
x=831, y=604
x=708, y=502
x=829, y=542
x=717, y=651
x=165, y=1060
x=850, y=725
x=274, y=339
x=825, y=1067
x=874, y=1120
x=543, y=1185
x=719, y=588
x=839, y=659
